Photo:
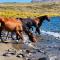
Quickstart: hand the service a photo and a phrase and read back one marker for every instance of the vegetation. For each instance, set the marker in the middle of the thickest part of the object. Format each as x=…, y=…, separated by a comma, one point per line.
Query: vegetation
x=29, y=9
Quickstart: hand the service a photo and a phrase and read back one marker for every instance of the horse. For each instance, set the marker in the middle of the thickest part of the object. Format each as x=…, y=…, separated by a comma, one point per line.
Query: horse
x=36, y=22
x=26, y=28
x=27, y=22
x=13, y=25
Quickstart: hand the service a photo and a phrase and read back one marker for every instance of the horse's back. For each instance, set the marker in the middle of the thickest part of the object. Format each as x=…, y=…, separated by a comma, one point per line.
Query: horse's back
x=12, y=23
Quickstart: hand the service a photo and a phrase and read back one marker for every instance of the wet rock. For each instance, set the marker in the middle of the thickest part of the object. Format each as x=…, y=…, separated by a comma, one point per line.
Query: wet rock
x=28, y=59
x=4, y=54
x=41, y=51
x=44, y=58
x=9, y=52
x=20, y=55
x=31, y=51
x=27, y=51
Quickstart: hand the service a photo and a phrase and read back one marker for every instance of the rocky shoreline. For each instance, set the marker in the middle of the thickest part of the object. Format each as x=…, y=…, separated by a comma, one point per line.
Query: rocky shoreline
x=47, y=48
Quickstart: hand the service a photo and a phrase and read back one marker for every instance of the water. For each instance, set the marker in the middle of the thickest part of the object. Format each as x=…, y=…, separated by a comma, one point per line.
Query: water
x=52, y=46
x=53, y=25
x=51, y=40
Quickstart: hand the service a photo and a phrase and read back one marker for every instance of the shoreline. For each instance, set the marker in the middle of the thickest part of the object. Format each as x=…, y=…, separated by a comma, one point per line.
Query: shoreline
x=46, y=45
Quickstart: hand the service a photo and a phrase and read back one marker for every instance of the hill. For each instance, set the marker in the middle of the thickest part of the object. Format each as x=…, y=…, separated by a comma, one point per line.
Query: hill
x=45, y=0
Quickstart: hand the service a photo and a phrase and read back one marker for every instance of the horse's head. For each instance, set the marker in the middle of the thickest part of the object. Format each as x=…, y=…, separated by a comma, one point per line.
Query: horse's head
x=19, y=19
x=1, y=19
x=46, y=18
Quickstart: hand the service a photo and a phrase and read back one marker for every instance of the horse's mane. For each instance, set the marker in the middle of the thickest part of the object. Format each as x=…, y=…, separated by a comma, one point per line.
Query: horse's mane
x=42, y=17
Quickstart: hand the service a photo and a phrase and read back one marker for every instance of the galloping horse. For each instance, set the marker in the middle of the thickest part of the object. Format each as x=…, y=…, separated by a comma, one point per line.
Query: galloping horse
x=13, y=25
x=36, y=22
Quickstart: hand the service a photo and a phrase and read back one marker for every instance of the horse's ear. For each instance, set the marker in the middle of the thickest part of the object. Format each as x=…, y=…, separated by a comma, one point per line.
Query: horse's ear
x=46, y=16
x=21, y=18
x=1, y=19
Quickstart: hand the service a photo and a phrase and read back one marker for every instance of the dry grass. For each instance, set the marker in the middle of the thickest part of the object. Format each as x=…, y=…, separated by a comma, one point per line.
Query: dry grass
x=29, y=9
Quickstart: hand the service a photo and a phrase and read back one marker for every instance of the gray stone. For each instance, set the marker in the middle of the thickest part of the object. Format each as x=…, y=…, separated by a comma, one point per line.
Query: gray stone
x=44, y=58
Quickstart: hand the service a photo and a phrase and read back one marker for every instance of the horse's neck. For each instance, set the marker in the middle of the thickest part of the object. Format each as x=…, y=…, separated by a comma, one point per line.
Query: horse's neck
x=41, y=21
x=37, y=22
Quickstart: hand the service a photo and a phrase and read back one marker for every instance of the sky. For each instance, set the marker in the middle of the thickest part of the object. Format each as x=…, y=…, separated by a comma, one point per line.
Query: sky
x=15, y=0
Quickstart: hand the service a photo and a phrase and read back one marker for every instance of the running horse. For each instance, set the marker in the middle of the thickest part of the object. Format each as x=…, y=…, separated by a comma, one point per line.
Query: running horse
x=13, y=25
x=36, y=22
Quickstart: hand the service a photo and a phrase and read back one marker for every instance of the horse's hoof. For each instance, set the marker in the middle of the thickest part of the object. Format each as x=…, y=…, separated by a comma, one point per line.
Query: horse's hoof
x=34, y=40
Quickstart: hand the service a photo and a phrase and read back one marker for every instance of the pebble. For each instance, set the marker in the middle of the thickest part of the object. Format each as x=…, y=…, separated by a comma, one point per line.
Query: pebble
x=44, y=58
x=20, y=55
x=27, y=51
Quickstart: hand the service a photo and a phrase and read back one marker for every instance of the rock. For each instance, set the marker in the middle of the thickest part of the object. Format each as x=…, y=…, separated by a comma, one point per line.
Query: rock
x=28, y=59
x=20, y=55
x=4, y=54
x=9, y=52
x=27, y=51
x=44, y=58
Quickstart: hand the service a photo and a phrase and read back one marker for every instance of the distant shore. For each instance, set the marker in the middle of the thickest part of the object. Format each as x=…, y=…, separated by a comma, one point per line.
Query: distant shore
x=29, y=9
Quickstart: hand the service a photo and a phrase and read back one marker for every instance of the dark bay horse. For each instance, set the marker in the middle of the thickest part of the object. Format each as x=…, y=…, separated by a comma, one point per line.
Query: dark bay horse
x=14, y=25
x=36, y=22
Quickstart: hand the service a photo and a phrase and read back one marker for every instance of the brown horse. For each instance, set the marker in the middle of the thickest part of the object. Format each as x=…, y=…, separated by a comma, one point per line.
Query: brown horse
x=13, y=25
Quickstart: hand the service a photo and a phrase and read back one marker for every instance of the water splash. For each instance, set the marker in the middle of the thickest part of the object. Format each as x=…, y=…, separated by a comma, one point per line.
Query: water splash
x=57, y=35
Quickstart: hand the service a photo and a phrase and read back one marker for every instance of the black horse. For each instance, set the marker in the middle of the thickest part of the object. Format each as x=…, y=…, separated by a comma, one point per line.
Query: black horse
x=36, y=22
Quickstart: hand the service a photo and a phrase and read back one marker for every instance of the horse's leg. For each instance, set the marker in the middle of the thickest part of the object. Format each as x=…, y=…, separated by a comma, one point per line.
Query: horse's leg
x=7, y=34
x=0, y=32
x=32, y=28
x=1, y=28
x=19, y=33
x=12, y=33
x=31, y=37
x=17, y=37
x=37, y=30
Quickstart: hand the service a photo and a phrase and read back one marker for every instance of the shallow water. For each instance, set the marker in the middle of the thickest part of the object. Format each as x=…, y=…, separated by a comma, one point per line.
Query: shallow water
x=53, y=25
x=50, y=32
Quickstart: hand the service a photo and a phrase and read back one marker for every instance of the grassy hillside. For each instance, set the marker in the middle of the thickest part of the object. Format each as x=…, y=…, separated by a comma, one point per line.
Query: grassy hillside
x=29, y=9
